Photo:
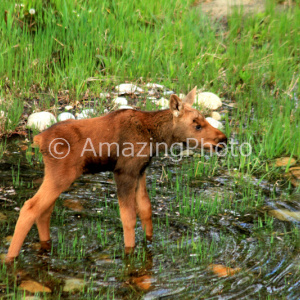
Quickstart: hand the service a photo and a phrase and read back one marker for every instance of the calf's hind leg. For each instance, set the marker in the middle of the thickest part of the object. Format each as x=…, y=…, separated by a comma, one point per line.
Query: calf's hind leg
x=39, y=208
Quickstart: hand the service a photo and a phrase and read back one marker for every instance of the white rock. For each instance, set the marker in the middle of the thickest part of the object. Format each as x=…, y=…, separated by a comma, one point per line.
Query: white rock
x=125, y=107
x=2, y=114
x=215, y=123
x=128, y=88
x=120, y=101
x=163, y=102
x=208, y=100
x=68, y=107
x=80, y=116
x=65, y=116
x=86, y=113
x=151, y=92
x=181, y=96
x=168, y=93
x=41, y=120
x=215, y=115
x=104, y=95
x=155, y=86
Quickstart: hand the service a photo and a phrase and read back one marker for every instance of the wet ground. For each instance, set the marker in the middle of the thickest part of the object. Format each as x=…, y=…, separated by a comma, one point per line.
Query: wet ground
x=219, y=233
x=214, y=235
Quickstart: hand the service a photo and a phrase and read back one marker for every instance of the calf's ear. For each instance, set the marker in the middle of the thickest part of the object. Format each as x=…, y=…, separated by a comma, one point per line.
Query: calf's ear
x=176, y=106
x=190, y=97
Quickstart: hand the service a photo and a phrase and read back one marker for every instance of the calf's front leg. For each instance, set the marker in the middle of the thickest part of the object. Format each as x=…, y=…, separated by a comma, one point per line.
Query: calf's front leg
x=144, y=207
x=126, y=189
x=43, y=225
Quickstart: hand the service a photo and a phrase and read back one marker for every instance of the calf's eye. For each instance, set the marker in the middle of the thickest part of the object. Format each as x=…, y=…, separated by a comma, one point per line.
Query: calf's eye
x=198, y=127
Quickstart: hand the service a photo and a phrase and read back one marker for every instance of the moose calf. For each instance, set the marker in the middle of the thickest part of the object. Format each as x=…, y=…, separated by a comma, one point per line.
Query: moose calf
x=70, y=148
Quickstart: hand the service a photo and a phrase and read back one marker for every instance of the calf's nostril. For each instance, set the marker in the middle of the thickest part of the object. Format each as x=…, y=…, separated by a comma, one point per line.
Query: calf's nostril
x=221, y=139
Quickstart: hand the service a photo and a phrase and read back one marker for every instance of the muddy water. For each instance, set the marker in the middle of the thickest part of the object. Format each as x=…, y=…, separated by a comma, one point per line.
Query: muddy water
x=213, y=236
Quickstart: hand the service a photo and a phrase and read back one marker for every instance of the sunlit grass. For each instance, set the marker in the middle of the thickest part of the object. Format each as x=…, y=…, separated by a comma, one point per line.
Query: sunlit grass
x=79, y=47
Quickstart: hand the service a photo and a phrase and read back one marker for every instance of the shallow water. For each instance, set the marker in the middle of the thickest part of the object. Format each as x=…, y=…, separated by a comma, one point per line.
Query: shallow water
x=201, y=224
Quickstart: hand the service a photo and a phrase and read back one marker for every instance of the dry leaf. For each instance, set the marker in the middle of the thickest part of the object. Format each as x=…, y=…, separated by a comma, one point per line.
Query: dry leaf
x=294, y=175
x=284, y=161
x=223, y=271
x=33, y=287
x=73, y=204
x=232, y=104
x=285, y=215
x=143, y=282
x=295, y=171
x=24, y=147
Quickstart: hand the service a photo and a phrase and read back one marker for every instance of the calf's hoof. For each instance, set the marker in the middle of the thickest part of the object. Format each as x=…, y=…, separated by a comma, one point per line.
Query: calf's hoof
x=129, y=250
x=9, y=260
x=46, y=245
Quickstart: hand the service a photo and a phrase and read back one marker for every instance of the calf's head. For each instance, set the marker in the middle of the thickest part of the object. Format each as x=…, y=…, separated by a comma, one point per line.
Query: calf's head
x=191, y=127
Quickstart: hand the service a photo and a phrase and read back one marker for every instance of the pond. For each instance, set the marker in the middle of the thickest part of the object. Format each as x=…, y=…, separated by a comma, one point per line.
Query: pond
x=215, y=234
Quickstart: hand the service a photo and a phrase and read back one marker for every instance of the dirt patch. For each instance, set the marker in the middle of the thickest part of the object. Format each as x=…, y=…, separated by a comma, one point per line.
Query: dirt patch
x=221, y=8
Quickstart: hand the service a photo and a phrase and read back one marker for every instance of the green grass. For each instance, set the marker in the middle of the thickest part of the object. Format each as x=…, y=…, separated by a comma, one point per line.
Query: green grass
x=73, y=50
x=2, y=147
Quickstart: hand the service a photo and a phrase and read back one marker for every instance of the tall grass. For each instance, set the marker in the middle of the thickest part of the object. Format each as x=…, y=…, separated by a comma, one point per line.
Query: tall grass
x=112, y=40
x=170, y=41
x=79, y=46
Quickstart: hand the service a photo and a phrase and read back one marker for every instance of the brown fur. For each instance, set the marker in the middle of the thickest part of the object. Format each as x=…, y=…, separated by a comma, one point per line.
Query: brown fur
x=167, y=126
